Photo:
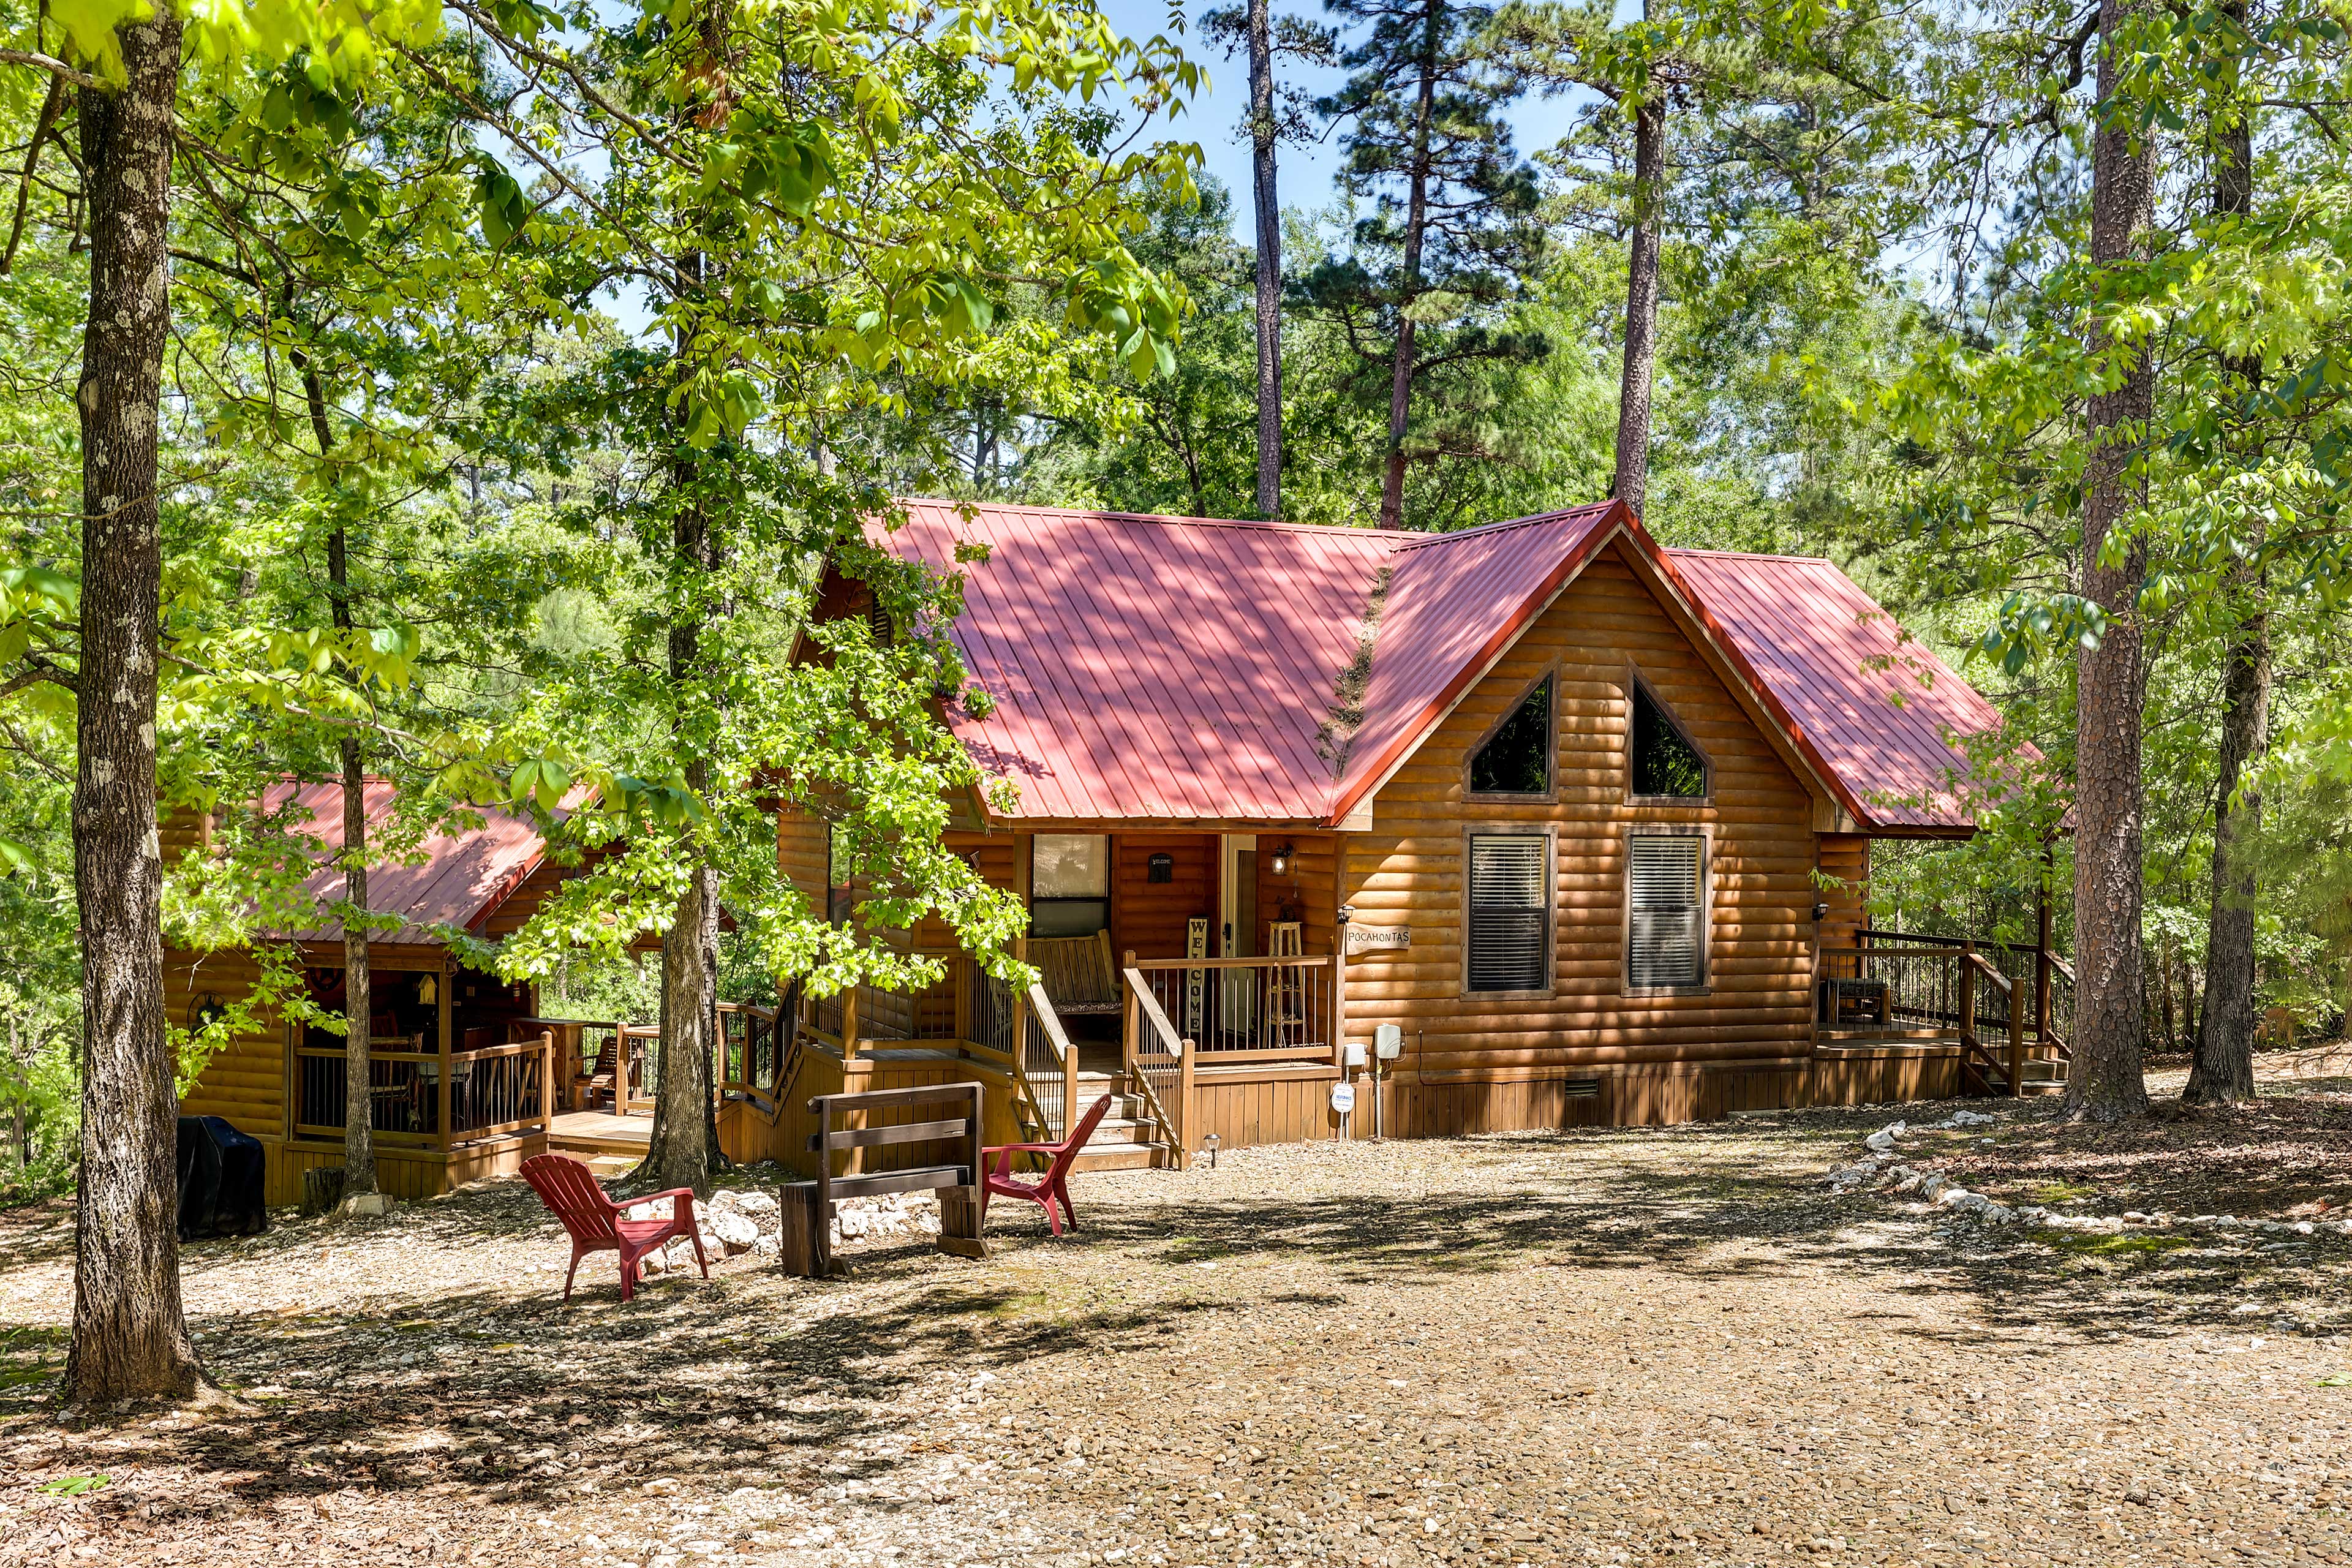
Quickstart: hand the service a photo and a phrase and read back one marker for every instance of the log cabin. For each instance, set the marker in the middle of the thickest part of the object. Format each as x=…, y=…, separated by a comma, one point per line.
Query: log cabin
x=1333, y=832
x=466, y=1080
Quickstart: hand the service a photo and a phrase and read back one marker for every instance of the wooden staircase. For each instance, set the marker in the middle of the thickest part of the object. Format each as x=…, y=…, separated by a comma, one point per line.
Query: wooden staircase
x=1127, y=1139
x=1989, y=1077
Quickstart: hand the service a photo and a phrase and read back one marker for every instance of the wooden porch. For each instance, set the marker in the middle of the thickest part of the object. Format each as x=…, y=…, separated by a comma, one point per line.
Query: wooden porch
x=2004, y=1009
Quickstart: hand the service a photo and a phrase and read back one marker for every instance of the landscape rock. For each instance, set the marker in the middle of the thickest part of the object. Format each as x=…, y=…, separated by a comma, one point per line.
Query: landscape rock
x=734, y=1231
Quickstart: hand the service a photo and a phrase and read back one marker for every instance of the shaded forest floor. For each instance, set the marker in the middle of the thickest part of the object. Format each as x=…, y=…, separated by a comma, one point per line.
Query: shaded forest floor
x=2287, y=1156
x=1609, y=1347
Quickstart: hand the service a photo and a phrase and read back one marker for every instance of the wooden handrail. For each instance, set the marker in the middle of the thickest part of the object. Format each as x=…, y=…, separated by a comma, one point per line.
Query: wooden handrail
x=1147, y=1010
x=1154, y=1014
x=1984, y=967
x=337, y=1052
x=1307, y=961
x=511, y=1048
x=1951, y=954
x=1057, y=1039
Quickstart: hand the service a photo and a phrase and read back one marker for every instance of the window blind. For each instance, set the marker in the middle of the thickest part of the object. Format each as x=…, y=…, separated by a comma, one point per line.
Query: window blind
x=1666, y=943
x=1510, y=913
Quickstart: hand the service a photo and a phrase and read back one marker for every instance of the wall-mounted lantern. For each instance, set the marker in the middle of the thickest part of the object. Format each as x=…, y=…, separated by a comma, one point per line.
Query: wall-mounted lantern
x=1284, y=858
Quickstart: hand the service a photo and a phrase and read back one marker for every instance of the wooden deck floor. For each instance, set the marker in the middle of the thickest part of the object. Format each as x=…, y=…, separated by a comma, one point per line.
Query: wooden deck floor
x=601, y=1131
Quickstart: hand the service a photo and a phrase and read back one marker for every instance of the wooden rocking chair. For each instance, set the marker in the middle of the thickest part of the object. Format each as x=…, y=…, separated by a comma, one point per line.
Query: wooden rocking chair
x=604, y=1078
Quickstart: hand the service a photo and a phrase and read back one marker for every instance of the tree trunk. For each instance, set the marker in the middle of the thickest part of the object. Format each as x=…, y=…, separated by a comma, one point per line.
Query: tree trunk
x=16, y=1069
x=680, y=1152
x=683, y=1148
x=129, y=1338
x=2107, y=1081
x=1269, y=261
x=1632, y=482
x=2223, y=1069
x=359, y=1104
x=1416, y=223
x=359, y=1130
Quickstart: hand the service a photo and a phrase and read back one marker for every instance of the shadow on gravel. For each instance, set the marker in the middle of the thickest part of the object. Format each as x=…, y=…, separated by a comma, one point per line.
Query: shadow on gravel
x=754, y=1380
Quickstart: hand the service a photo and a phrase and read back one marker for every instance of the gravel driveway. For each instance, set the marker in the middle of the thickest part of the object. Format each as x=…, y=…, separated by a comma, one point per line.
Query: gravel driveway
x=1601, y=1347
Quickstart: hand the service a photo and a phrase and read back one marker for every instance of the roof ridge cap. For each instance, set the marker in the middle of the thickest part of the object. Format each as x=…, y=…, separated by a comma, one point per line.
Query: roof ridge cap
x=1418, y=540
x=1750, y=555
x=1163, y=519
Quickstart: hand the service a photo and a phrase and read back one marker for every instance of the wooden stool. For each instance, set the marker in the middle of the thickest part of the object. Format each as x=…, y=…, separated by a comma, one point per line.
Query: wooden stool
x=1285, y=988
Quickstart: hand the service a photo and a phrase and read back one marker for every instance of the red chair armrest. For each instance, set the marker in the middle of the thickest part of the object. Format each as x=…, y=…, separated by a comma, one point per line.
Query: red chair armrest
x=685, y=1193
x=1021, y=1149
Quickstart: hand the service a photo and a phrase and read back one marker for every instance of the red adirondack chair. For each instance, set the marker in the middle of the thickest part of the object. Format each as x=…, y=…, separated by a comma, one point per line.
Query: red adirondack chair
x=571, y=1192
x=1054, y=1184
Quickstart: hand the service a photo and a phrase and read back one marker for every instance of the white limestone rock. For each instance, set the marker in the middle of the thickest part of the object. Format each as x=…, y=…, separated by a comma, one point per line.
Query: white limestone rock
x=734, y=1231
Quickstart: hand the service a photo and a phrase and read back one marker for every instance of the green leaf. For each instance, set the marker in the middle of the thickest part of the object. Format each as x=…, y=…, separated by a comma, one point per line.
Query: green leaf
x=74, y=1486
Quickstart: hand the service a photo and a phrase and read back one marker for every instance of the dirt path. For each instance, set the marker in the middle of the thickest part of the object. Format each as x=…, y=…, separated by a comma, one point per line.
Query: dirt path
x=1615, y=1347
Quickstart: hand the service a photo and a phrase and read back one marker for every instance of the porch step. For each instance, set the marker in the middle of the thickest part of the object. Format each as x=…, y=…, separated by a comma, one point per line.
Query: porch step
x=1099, y=1156
x=2043, y=1077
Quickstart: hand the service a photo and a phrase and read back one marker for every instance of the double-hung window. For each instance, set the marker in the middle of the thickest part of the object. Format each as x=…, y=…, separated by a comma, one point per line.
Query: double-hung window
x=1509, y=946
x=1665, y=911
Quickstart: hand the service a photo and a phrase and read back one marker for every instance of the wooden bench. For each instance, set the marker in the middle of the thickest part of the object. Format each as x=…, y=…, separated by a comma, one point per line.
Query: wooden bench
x=1077, y=972
x=807, y=1239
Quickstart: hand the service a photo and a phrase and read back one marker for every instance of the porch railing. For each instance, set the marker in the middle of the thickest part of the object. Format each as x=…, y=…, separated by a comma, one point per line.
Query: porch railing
x=2047, y=978
x=1244, y=1009
x=1159, y=1063
x=430, y=1100
x=1922, y=990
x=750, y=1053
x=966, y=1011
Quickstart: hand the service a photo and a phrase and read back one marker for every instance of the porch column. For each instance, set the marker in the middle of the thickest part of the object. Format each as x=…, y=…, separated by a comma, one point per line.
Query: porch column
x=1339, y=985
x=441, y=1090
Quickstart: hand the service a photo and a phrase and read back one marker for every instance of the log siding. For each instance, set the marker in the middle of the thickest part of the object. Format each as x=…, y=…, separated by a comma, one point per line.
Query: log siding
x=1760, y=859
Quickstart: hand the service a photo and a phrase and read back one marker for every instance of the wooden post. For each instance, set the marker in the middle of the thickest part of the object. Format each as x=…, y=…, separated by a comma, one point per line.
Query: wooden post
x=796, y=1251
x=1340, y=987
x=961, y=1208
x=1132, y=1015
x=1967, y=995
x=2017, y=1036
x=849, y=1023
x=821, y=1235
x=1069, y=1086
x=1020, y=1013
x=441, y=1093
x=1183, y=1109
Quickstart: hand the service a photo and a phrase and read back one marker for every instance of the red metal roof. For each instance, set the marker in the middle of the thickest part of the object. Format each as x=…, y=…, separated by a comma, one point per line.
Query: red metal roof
x=1160, y=668
x=461, y=880
x=1454, y=602
x=1870, y=706
x=1172, y=669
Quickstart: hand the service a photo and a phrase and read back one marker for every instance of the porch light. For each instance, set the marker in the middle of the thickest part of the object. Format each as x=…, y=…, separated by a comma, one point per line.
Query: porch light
x=1282, y=861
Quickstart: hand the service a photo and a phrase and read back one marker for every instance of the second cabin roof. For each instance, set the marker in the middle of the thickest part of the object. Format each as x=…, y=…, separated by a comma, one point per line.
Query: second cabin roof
x=1163, y=669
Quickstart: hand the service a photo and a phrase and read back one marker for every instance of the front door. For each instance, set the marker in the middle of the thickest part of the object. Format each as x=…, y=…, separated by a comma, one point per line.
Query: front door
x=1237, y=932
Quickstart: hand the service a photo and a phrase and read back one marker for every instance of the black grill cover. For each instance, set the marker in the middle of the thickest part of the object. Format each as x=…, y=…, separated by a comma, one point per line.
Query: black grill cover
x=220, y=1180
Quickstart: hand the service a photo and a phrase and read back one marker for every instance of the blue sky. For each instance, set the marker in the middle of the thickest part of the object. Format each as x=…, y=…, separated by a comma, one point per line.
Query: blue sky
x=1212, y=120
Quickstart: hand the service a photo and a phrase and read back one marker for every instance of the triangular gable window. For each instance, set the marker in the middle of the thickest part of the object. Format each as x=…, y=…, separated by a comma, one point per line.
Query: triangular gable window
x=1516, y=759
x=1665, y=763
